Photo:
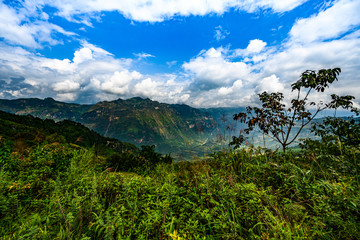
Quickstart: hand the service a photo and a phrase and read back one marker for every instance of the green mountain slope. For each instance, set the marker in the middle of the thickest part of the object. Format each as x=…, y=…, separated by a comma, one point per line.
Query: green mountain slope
x=28, y=131
x=142, y=121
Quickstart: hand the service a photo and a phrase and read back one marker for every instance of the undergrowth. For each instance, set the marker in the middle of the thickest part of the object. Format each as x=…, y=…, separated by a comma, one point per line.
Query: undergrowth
x=57, y=191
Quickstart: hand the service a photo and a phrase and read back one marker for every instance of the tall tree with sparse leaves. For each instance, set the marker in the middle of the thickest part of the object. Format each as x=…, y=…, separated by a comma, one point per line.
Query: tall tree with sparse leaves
x=278, y=121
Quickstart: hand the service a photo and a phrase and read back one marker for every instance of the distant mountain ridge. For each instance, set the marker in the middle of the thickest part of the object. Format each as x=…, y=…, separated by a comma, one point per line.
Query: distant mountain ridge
x=47, y=108
x=140, y=121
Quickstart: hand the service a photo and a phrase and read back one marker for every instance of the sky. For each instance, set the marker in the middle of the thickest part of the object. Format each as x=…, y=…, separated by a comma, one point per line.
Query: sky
x=204, y=53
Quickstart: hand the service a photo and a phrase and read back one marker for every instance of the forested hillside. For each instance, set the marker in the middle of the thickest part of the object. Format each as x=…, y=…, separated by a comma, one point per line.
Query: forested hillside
x=26, y=132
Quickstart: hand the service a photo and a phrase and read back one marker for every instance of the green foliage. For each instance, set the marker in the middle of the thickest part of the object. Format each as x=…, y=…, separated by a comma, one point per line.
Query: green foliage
x=338, y=137
x=123, y=161
x=148, y=152
x=237, y=141
x=5, y=151
x=347, y=130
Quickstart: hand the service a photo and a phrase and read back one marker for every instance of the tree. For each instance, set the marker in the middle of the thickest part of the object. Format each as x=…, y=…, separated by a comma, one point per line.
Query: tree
x=277, y=120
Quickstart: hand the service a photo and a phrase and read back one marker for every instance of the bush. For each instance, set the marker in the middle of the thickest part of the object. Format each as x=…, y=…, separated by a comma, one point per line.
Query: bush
x=132, y=161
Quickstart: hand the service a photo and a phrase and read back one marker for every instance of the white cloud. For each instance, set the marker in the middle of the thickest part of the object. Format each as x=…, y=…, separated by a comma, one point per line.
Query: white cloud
x=283, y=5
x=66, y=96
x=330, y=23
x=220, y=33
x=119, y=82
x=255, y=46
x=229, y=90
x=48, y=77
x=61, y=66
x=44, y=16
x=96, y=51
x=275, y=5
x=147, y=88
x=212, y=67
x=291, y=62
x=275, y=68
x=66, y=86
x=270, y=84
x=158, y=10
x=252, y=51
x=171, y=63
x=82, y=55
x=11, y=30
x=143, y=55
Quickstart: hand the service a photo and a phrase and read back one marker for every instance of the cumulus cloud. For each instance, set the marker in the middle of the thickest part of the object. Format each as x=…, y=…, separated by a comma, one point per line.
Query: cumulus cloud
x=61, y=66
x=66, y=86
x=82, y=55
x=229, y=90
x=254, y=52
x=147, y=87
x=269, y=84
x=119, y=82
x=212, y=69
x=255, y=46
x=66, y=96
x=326, y=40
x=54, y=77
x=163, y=88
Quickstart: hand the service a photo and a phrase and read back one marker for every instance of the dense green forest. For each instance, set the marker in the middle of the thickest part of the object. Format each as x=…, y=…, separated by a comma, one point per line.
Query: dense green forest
x=63, y=181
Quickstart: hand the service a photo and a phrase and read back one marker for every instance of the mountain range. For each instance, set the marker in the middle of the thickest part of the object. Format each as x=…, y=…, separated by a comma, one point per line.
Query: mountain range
x=171, y=127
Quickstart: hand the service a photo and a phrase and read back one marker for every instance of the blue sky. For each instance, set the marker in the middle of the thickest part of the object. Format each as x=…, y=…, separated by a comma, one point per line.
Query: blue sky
x=205, y=53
